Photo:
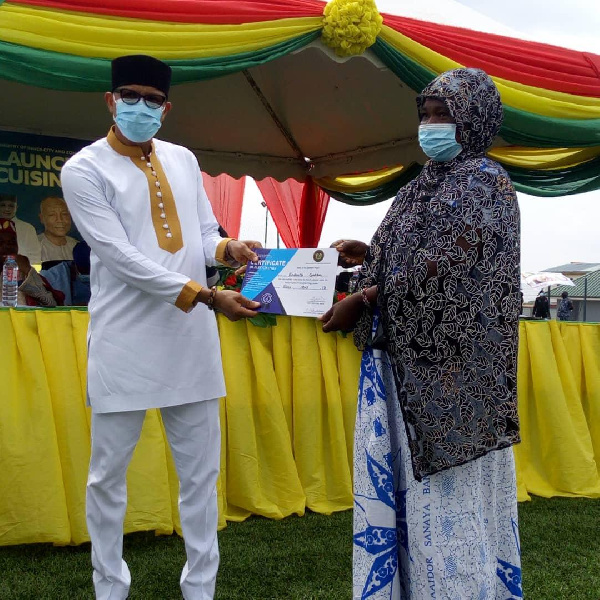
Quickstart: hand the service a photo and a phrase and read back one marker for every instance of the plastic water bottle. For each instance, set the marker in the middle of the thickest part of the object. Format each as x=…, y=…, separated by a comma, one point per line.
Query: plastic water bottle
x=10, y=282
x=353, y=283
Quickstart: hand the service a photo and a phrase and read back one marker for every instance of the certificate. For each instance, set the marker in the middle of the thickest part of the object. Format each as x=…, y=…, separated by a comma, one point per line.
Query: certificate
x=292, y=281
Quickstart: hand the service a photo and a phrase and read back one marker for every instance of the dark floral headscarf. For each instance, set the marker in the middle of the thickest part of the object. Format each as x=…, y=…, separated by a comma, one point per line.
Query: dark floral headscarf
x=445, y=261
x=473, y=101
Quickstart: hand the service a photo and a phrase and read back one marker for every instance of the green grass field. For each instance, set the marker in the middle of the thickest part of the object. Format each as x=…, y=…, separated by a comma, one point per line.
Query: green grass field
x=306, y=558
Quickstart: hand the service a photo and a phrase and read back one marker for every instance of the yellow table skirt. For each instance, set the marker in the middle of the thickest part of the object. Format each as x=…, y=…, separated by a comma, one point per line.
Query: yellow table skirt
x=287, y=424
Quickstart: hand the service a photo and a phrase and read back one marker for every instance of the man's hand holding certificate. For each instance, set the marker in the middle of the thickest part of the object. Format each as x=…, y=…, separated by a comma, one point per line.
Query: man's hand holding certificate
x=292, y=281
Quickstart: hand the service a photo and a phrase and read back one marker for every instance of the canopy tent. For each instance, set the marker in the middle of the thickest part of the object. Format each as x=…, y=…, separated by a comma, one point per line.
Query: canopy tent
x=295, y=89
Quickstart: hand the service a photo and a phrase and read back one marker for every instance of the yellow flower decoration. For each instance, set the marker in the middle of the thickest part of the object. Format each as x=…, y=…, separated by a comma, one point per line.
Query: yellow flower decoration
x=351, y=26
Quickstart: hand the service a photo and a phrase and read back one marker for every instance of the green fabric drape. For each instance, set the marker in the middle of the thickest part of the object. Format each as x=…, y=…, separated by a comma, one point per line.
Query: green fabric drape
x=522, y=128
x=560, y=182
x=72, y=73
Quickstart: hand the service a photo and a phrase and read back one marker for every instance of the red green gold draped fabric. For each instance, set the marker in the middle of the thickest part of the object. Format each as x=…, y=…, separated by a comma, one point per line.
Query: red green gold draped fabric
x=551, y=95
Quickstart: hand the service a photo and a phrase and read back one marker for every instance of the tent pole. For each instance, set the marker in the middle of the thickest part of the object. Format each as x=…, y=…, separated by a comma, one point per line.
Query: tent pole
x=264, y=205
x=266, y=225
x=585, y=299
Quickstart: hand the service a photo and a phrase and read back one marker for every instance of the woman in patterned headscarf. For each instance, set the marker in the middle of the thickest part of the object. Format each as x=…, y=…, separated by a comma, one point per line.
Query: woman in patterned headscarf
x=435, y=494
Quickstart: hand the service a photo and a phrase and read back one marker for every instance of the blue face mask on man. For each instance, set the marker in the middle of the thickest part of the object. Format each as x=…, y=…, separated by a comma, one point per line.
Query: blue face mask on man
x=137, y=122
x=438, y=141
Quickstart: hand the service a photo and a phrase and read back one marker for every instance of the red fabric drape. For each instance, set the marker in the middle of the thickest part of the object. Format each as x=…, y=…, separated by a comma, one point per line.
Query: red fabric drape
x=226, y=196
x=313, y=209
x=211, y=12
x=298, y=210
x=531, y=63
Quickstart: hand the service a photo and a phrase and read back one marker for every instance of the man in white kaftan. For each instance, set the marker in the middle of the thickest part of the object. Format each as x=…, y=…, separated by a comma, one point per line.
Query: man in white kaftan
x=141, y=206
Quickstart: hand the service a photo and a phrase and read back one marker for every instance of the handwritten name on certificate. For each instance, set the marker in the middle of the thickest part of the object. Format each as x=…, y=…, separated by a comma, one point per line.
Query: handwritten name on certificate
x=292, y=281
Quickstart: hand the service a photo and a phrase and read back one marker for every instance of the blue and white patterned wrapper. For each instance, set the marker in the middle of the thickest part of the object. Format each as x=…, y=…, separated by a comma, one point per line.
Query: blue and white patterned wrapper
x=452, y=536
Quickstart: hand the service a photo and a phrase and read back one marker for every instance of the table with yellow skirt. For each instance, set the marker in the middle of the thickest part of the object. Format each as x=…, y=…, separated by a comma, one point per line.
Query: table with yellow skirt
x=287, y=424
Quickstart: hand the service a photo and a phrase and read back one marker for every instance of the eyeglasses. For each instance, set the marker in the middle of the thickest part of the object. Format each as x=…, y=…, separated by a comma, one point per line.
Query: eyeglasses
x=132, y=97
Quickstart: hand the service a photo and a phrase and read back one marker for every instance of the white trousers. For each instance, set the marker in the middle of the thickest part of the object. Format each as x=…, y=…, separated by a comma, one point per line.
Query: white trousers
x=194, y=437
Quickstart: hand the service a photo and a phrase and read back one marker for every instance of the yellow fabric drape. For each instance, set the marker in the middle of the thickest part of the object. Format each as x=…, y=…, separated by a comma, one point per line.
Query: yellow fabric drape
x=286, y=428
x=360, y=182
x=108, y=37
x=543, y=158
x=527, y=98
x=33, y=506
x=287, y=424
x=556, y=456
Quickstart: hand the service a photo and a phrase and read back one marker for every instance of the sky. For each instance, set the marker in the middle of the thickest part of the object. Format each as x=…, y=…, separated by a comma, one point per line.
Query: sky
x=554, y=231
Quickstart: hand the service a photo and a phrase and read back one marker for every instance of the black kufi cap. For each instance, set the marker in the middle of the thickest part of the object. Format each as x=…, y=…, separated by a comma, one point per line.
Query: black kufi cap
x=139, y=69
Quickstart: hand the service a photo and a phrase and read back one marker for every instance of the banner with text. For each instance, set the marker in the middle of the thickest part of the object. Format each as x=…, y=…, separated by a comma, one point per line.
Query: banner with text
x=30, y=170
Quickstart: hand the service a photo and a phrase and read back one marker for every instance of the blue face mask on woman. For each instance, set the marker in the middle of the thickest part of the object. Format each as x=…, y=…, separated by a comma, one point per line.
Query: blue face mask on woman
x=438, y=141
x=137, y=122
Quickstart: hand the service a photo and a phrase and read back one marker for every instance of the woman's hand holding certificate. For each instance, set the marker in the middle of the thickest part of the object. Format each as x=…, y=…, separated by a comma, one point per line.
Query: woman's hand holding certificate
x=292, y=281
